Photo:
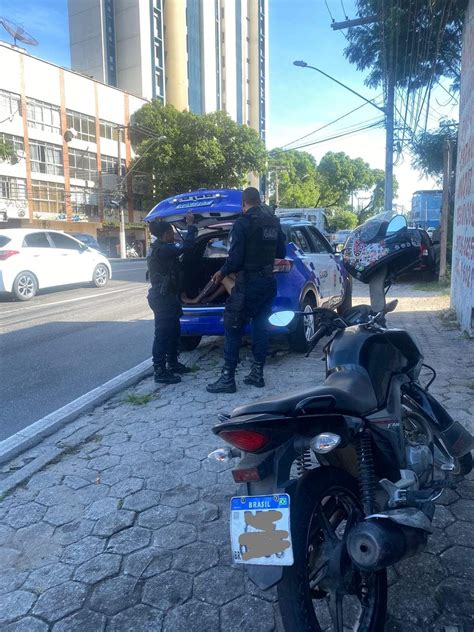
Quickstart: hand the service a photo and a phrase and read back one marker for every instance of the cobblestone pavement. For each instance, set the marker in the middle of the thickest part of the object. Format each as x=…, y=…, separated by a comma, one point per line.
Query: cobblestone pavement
x=129, y=530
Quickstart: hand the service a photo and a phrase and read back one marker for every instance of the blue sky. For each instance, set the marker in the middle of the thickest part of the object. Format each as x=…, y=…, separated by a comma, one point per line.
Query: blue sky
x=300, y=99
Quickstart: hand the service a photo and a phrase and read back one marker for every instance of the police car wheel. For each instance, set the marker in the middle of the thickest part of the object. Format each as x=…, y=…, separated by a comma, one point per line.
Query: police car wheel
x=299, y=339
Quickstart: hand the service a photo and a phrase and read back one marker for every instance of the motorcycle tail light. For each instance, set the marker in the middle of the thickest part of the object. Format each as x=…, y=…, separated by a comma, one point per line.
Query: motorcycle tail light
x=246, y=440
x=325, y=442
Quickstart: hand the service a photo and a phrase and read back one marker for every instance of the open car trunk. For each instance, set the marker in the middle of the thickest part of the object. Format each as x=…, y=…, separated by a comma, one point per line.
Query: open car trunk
x=207, y=257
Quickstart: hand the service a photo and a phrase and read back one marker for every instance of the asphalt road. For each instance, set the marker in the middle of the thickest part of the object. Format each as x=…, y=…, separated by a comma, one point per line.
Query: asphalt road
x=66, y=342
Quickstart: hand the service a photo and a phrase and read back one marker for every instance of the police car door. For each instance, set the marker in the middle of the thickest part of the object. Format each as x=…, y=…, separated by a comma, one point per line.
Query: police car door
x=314, y=262
x=331, y=279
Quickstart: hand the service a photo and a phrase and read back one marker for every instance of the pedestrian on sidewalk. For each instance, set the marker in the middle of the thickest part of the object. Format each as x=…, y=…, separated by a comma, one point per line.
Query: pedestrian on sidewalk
x=164, y=269
x=256, y=240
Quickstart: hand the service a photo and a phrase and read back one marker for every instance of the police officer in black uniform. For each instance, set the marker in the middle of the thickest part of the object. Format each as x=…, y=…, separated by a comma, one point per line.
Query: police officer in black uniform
x=256, y=240
x=164, y=270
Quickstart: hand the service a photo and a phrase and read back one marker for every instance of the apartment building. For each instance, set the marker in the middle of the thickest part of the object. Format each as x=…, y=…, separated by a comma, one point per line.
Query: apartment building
x=201, y=55
x=67, y=132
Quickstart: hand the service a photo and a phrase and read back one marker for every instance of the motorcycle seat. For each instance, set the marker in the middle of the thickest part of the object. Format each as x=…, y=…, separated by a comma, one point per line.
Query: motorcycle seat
x=343, y=391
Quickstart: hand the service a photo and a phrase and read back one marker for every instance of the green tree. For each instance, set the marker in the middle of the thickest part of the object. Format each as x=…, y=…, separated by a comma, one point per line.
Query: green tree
x=427, y=149
x=341, y=219
x=339, y=177
x=6, y=150
x=296, y=175
x=420, y=40
x=200, y=151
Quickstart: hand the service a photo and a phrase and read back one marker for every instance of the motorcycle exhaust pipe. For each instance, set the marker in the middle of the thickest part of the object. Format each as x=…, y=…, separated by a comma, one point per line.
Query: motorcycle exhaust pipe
x=377, y=544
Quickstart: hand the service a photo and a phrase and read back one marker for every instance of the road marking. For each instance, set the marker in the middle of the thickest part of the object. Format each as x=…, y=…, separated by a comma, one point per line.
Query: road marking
x=69, y=300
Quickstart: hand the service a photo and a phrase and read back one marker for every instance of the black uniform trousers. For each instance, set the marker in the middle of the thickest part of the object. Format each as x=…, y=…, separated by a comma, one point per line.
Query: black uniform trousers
x=251, y=301
x=167, y=312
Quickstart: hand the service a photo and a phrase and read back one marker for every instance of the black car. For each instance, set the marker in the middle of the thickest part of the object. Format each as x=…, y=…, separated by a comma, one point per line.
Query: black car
x=90, y=241
x=428, y=263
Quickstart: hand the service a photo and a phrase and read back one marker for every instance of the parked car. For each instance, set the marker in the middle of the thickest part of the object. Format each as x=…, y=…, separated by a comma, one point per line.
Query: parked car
x=311, y=275
x=428, y=263
x=89, y=241
x=31, y=260
x=340, y=238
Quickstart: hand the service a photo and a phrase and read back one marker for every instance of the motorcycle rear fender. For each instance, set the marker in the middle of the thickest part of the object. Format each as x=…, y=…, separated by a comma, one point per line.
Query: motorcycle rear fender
x=456, y=438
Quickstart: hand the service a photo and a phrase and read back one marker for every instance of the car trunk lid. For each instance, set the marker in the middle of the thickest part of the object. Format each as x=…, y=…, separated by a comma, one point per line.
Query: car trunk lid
x=208, y=207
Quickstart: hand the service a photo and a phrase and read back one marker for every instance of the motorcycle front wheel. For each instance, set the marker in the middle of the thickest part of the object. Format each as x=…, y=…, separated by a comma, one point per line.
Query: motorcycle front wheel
x=323, y=590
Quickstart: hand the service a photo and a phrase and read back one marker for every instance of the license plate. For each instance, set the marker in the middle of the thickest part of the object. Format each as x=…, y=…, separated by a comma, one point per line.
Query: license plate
x=260, y=530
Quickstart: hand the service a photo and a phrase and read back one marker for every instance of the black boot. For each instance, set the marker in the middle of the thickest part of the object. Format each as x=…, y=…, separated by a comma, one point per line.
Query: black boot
x=163, y=376
x=225, y=384
x=178, y=367
x=255, y=377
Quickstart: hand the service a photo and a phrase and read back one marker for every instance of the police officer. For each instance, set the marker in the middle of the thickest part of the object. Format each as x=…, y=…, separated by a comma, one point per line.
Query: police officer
x=163, y=298
x=256, y=240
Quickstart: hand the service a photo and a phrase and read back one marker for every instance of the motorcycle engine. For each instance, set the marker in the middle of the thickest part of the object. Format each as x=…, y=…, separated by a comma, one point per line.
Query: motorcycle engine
x=420, y=460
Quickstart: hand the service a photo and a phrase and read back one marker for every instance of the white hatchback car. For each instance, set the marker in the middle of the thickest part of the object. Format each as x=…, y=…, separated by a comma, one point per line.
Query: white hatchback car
x=36, y=259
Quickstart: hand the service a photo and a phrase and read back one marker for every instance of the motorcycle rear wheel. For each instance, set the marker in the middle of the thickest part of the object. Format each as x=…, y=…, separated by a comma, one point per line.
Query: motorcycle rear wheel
x=323, y=590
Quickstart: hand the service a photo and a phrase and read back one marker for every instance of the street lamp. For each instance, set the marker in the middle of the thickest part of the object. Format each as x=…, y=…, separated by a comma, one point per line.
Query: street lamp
x=389, y=126
x=303, y=64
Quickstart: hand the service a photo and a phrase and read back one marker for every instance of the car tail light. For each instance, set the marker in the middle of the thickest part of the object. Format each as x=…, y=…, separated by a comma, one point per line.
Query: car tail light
x=282, y=265
x=6, y=254
x=246, y=440
x=424, y=251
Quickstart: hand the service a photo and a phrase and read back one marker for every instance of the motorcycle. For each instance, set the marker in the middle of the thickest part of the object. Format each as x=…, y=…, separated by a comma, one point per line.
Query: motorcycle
x=339, y=481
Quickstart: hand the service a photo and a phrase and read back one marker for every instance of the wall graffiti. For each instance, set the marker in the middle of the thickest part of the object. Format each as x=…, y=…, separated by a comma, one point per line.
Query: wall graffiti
x=462, y=273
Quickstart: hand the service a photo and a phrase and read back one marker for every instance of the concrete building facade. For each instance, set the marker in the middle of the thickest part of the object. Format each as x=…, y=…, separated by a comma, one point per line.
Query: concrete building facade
x=201, y=55
x=64, y=129
x=462, y=269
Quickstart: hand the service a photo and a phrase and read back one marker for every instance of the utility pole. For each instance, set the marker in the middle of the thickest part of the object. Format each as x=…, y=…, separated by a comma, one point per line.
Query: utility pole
x=447, y=157
x=389, y=129
x=389, y=112
x=123, y=245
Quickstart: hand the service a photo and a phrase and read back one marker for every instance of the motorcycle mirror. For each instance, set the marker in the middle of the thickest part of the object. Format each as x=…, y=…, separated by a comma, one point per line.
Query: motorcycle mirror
x=396, y=223
x=281, y=319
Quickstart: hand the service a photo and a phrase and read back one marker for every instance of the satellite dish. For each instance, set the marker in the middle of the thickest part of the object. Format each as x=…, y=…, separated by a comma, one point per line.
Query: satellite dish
x=17, y=32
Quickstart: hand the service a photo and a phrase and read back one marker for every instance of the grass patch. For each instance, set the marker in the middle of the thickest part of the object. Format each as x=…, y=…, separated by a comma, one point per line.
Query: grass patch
x=139, y=399
x=442, y=287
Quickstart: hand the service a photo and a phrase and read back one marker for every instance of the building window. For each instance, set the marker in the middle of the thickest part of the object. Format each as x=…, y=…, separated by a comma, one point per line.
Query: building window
x=48, y=197
x=46, y=158
x=110, y=42
x=84, y=202
x=12, y=188
x=10, y=104
x=16, y=142
x=83, y=124
x=108, y=164
x=110, y=131
x=82, y=164
x=43, y=116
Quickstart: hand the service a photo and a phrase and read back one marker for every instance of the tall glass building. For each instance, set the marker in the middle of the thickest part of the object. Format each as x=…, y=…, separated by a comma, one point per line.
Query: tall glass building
x=201, y=55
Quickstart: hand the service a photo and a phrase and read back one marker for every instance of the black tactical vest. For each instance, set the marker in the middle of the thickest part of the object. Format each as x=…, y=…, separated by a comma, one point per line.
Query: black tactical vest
x=261, y=241
x=164, y=272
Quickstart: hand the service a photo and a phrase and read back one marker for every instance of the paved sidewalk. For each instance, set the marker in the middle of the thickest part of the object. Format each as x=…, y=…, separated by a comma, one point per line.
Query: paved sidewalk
x=129, y=530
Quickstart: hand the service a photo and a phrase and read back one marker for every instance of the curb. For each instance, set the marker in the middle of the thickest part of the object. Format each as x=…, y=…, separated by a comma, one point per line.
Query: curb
x=36, y=432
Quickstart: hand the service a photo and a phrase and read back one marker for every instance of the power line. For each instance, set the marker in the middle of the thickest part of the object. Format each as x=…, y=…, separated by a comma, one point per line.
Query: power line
x=336, y=136
x=326, y=125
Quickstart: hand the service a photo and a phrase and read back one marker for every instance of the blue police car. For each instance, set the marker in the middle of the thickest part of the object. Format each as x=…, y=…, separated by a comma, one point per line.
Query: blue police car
x=311, y=275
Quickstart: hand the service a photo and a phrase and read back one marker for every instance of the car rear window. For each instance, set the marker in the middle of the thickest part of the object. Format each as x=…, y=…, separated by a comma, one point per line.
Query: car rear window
x=4, y=241
x=36, y=240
